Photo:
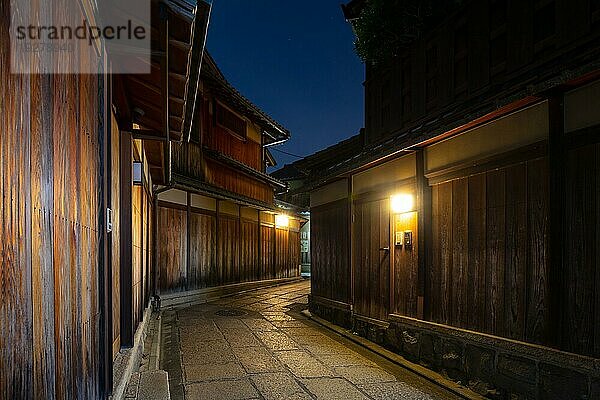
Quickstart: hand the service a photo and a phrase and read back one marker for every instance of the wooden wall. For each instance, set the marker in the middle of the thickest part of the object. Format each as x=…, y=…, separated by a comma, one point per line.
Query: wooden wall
x=330, y=251
x=224, y=250
x=580, y=279
x=116, y=235
x=49, y=238
x=371, y=264
x=489, y=270
x=140, y=252
x=231, y=180
x=171, y=249
x=245, y=151
x=203, y=272
x=493, y=41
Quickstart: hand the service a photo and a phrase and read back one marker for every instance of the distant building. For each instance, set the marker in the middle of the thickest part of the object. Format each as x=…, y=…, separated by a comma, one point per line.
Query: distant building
x=461, y=236
x=299, y=177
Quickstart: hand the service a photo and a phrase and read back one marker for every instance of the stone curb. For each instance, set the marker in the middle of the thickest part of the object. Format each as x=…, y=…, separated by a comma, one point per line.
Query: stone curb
x=399, y=360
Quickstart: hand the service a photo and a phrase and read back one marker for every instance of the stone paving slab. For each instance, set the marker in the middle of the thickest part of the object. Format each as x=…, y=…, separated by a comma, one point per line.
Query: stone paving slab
x=345, y=360
x=277, y=341
x=241, y=337
x=395, y=391
x=333, y=389
x=303, y=365
x=211, y=372
x=258, y=360
x=276, y=386
x=365, y=375
x=240, y=389
x=154, y=385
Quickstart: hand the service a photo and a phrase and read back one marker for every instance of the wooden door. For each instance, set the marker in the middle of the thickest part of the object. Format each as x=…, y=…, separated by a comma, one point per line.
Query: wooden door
x=371, y=258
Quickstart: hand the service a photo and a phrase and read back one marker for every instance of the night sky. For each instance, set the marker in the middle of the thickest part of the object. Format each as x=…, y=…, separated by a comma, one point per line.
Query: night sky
x=296, y=61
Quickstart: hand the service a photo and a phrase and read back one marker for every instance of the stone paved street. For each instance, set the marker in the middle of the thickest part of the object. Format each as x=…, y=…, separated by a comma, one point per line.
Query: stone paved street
x=258, y=346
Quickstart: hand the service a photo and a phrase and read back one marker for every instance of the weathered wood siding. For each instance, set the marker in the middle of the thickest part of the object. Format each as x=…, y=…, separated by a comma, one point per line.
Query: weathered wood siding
x=581, y=273
x=233, y=181
x=250, y=262
x=267, y=243
x=116, y=235
x=405, y=268
x=330, y=252
x=202, y=272
x=489, y=271
x=140, y=256
x=228, y=249
x=49, y=238
x=171, y=245
x=371, y=264
x=245, y=151
x=224, y=250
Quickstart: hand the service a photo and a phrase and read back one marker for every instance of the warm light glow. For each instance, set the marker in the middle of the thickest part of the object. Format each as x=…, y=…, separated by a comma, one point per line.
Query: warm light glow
x=136, y=126
x=402, y=203
x=282, y=220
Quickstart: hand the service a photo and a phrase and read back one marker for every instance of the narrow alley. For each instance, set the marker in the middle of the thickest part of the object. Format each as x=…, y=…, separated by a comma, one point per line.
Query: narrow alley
x=258, y=345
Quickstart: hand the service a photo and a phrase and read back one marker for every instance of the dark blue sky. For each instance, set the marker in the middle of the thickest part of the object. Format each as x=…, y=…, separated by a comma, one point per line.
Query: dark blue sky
x=296, y=61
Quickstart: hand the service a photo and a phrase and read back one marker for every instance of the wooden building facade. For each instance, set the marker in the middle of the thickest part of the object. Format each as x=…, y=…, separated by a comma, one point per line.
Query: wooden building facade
x=472, y=230
x=117, y=187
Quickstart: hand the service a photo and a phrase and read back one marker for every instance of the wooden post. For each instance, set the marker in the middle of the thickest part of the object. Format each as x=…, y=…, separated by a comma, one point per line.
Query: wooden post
x=105, y=275
x=241, y=278
x=164, y=87
x=351, y=244
x=424, y=227
x=188, y=241
x=219, y=274
x=556, y=160
x=260, y=266
x=126, y=274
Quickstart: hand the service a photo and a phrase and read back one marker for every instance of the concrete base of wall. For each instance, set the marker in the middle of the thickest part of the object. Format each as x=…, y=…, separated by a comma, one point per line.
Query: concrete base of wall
x=495, y=367
x=208, y=294
x=127, y=361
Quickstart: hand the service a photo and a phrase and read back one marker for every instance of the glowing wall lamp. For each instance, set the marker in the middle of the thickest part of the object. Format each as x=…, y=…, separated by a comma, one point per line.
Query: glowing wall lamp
x=282, y=221
x=402, y=203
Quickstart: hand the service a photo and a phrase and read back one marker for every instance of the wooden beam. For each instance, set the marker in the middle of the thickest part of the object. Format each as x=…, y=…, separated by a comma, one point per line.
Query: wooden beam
x=148, y=134
x=557, y=175
x=424, y=232
x=164, y=87
x=188, y=240
x=260, y=263
x=154, y=88
x=126, y=273
x=180, y=45
x=178, y=77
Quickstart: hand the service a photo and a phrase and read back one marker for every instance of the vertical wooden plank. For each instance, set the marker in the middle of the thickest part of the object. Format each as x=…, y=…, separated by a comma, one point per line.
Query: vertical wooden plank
x=125, y=226
x=459, y=313
x=476, y=292
x=596, y=322
x=537, y=275
x=579, y=266
x=445, y=251
x=384, y=263
x=116, y=237
x=42, y=232
x=495, y=253
x=515, y=252
x=374, y=259
x=435, y=266
x=557, y=215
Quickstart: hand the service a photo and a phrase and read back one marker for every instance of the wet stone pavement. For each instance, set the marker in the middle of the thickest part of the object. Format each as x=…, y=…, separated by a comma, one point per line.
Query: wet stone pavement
x=258, y=345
